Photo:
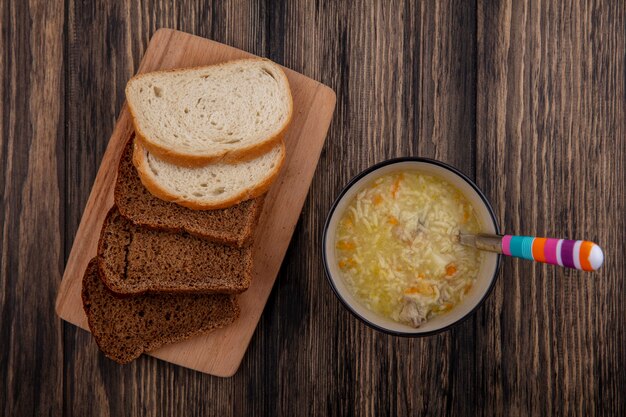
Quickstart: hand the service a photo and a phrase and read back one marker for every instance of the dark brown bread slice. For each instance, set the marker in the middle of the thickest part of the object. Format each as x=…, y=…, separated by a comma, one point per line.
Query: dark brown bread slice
x=231, y=226
x=126, y=328
x=134, y=260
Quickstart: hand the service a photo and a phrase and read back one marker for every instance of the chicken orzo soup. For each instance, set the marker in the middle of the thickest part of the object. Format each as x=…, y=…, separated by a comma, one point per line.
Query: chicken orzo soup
x=397, y=251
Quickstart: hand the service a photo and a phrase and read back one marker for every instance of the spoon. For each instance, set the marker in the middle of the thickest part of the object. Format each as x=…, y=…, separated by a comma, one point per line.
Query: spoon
x=576, y=254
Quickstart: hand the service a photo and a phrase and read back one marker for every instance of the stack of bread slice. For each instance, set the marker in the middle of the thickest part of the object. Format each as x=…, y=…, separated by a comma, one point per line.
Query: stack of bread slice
x=176, y=248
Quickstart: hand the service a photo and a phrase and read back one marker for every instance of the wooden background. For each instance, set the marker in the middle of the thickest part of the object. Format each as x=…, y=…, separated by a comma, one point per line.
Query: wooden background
x=527, y=97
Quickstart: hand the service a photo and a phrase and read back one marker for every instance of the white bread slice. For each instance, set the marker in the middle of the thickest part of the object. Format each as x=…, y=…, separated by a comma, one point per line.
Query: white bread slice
x=230, y=112
x=212, y=186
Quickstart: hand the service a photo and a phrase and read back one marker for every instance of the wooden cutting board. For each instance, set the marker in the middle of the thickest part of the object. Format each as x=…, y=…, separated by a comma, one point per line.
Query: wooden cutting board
x=218, y=353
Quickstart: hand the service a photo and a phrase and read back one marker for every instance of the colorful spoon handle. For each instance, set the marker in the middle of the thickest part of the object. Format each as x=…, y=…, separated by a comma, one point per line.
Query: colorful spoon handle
x=578, y=254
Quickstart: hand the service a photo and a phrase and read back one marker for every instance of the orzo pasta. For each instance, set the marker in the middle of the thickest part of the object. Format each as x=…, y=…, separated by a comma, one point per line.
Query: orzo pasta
x=397, y=250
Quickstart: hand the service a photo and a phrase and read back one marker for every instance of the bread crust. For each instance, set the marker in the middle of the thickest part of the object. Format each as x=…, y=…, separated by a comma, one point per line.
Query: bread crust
x=156, y=289
x=114, y=290
x=155, y=189
x=245, y=238
x=193, y=159
x=147, y=345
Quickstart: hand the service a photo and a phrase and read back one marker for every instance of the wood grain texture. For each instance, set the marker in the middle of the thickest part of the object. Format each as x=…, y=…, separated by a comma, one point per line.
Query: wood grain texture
x=31, y=164
x=527, y=97
x=398, y=69
x=551, y=153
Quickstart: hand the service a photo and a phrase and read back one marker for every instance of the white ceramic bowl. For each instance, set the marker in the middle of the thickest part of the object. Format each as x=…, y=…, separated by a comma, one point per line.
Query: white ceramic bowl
x=488, y=268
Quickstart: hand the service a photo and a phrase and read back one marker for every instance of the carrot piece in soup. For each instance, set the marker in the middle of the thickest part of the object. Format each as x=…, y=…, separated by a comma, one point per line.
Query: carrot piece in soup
x=411, y=290
x=345, y=245
x=396, y=185
x=466, y=214
x=346, y=263
x=422, y=288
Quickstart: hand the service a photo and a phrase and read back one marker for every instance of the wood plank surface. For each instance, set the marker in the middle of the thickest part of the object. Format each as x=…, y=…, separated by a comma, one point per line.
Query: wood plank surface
x=32, y=93
x=220, y=352
x=551, y=152
x=526, y=97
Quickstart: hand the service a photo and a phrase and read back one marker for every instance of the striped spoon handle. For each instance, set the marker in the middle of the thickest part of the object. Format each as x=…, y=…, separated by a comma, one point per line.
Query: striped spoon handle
x=578, y=254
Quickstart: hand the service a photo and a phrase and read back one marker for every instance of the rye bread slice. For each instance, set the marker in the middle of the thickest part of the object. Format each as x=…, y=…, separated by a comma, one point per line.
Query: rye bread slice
x=230, y=226
x=134, y=260
x=126, y=328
